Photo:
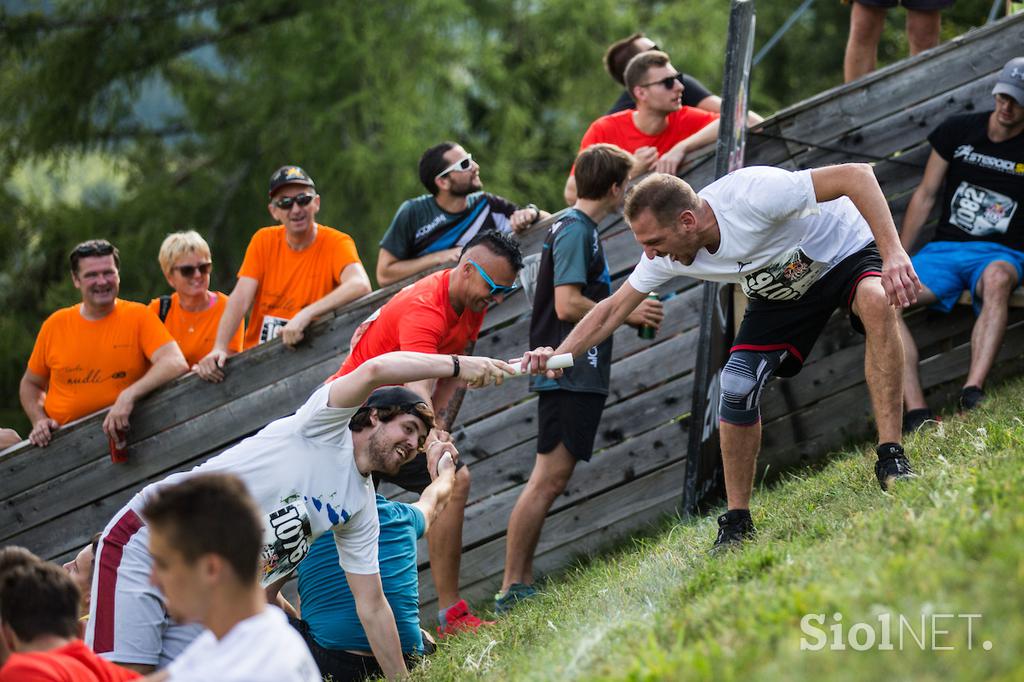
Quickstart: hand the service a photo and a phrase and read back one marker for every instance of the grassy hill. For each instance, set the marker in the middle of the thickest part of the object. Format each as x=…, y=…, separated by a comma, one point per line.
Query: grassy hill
x=937, y=556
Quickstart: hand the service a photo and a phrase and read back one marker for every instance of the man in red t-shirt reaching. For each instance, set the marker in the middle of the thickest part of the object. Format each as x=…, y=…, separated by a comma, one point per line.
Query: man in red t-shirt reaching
x=441, y=313
x=661, y=131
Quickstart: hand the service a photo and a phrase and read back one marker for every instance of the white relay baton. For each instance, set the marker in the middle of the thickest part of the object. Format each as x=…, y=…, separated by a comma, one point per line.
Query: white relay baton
x=561, y=361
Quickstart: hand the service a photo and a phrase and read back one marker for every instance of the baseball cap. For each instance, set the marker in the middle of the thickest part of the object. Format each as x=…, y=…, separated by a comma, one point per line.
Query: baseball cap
x=398, y=396
x=1011, y=80
x=289, y=175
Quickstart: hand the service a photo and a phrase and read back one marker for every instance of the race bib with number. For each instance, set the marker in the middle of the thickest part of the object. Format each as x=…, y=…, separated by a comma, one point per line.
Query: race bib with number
x=271, y=327
x=980, y=212
x=784, y=279
x=287, y=536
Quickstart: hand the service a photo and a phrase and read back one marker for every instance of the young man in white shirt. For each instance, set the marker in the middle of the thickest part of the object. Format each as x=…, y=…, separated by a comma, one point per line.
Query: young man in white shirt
x=800, y=245
x=309, y=473
x=206, y=536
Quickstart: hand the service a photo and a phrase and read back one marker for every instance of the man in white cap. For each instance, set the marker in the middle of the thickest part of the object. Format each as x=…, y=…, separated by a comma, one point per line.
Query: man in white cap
x=977, y=169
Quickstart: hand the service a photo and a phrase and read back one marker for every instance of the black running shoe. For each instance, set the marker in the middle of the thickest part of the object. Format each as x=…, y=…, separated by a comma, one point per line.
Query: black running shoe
x=892, y=465
x=734, y=528
x=915, y=419
x=970, y=397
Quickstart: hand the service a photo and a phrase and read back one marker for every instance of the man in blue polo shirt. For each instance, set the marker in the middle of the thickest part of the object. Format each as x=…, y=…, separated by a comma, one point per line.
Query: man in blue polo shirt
x=330, y=624
x=431, y=229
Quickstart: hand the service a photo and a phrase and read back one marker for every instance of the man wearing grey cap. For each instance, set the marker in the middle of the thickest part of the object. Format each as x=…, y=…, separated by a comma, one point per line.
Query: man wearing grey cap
x=977, y=169
x=293, y=272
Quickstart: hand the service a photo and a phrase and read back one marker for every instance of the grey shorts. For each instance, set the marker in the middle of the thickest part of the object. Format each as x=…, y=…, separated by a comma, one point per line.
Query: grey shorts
x=917, y=5
x=127, y=619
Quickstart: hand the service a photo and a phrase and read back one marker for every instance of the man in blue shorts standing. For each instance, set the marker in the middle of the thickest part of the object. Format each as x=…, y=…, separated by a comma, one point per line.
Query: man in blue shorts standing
x=977, y=167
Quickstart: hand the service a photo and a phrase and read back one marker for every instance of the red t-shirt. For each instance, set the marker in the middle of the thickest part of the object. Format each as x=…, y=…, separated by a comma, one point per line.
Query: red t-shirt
x=619, y=129
x=418, y=318
x=73, y=662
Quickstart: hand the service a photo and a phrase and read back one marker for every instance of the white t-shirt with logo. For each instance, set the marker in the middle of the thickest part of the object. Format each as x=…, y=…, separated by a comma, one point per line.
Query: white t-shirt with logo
x=260, y=648
x=301, y=472
x=776, y=238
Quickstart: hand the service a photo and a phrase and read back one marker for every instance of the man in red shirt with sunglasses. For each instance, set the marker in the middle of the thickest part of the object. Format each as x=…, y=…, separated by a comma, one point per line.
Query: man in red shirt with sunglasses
x=442, y=313
x=292, y=273
x=661, y=131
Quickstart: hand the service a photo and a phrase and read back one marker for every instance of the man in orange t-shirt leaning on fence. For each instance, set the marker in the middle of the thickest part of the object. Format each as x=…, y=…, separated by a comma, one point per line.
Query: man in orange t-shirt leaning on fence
x=192, y=313
x=292, y=273
x=102, y=352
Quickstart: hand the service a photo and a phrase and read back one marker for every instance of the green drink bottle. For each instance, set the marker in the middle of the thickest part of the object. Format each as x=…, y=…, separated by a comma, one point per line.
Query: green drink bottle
x=647, y=331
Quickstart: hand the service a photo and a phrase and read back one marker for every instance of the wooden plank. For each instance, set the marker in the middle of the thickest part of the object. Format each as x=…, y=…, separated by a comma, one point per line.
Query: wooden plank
x=1016, y=298
x=586, y=527
x=488, y=517
x=163, y=451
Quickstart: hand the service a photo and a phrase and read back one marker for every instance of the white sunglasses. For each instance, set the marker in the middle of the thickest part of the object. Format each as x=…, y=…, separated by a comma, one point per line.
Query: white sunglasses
x=463, y=164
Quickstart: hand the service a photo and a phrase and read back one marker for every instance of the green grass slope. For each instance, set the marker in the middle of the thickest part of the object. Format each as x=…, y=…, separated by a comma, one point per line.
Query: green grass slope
x=936, y=556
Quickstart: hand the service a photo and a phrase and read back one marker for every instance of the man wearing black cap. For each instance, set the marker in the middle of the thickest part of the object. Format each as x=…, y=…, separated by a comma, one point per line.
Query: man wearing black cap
x=292, y=273
x=308, y=473
x=431, y=229
x=977, y=163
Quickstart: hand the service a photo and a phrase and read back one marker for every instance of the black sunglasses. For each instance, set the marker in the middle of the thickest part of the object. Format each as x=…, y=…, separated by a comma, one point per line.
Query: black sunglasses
x=668, y=82
x=285, y=203
x=187, y=271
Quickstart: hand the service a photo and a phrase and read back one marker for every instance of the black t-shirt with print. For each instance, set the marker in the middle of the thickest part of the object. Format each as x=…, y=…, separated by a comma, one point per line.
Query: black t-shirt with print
x=984, y=187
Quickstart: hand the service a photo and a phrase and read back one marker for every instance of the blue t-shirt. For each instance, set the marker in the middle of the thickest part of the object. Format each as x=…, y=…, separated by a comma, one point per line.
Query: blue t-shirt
x=327, y=602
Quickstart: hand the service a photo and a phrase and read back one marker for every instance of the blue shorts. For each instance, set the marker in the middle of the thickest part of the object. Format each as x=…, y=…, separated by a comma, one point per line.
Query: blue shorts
x=950, y=268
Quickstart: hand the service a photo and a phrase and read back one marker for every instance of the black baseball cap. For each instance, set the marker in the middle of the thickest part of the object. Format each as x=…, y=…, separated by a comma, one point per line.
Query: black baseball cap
x=289, y=175
x=398, y=396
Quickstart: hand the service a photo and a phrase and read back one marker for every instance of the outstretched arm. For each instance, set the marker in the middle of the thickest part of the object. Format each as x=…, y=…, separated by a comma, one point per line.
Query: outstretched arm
x=923, y=201
x=403, y=367
x=857, y=181
x=378, y=622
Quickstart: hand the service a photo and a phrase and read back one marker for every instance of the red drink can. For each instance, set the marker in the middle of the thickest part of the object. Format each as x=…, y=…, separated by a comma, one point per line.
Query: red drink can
x=119, y=447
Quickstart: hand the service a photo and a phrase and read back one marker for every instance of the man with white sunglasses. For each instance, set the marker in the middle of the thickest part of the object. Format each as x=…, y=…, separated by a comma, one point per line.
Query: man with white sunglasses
x=293, y=273
x=431, y=229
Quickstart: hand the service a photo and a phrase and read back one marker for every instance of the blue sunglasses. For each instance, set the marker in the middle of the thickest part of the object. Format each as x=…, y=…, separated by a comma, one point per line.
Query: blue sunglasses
x=496, y=289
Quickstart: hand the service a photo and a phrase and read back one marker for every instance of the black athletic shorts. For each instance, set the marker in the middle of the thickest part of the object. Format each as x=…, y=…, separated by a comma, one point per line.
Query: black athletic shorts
x=571, y=418
x=795, y=326
x=342, y=665
x=412, y=476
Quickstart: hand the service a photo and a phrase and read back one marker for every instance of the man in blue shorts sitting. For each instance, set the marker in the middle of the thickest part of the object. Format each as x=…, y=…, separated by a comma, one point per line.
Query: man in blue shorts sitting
x=977, y=164
x=330, y=623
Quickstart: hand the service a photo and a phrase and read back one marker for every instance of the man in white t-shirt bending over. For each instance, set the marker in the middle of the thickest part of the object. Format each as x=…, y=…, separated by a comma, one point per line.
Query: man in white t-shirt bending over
x=800, y=245
x=309, y=473
x=205, y=536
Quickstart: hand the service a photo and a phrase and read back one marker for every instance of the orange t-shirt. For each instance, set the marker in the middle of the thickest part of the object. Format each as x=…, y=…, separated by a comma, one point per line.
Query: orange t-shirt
x=73, y=662
x=418, y=318
x=89, y=362
x=290, y=280
x=197, y=332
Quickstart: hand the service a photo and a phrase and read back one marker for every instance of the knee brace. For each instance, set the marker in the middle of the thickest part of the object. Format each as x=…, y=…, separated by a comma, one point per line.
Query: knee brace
x=743, y=379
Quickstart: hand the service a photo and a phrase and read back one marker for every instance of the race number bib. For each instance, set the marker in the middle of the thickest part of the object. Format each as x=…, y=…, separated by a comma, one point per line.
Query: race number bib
x=271, y=328
x=785, y=279
x=980, y=212
x=287, y=535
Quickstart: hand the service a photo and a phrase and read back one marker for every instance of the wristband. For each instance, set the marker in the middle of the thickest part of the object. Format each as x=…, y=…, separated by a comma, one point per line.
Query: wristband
x=536, y=213
x=455, y=362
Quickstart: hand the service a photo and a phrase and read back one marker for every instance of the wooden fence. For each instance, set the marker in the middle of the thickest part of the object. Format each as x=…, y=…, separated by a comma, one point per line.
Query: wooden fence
x=52, y=500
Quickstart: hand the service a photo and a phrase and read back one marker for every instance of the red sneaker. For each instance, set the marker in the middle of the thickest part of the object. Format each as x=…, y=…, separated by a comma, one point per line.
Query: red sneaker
x=458, y=617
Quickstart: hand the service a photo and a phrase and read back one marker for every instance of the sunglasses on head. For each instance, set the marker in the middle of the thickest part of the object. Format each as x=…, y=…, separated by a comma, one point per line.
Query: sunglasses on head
x=496, y=289
x=285, y=203
x=463, y=164
x=187, y=271
x=668, y=82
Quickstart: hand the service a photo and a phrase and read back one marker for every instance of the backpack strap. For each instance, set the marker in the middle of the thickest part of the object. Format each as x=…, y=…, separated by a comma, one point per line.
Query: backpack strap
x=165, y=307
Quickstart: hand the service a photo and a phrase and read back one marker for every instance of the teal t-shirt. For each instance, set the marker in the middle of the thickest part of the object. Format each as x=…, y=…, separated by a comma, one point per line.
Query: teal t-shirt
x=420, y=226
x=327, y=602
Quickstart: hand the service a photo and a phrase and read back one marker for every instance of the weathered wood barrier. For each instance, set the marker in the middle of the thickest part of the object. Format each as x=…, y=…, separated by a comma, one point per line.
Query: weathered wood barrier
x=52, y=500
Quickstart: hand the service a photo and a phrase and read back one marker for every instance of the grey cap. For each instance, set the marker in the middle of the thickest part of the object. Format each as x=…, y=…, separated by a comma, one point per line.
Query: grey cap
x=1011, y=80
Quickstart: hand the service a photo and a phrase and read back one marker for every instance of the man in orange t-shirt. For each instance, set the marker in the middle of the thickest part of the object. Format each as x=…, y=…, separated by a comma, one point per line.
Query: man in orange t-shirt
x=39, y=613
x=441, y=313
x=661, y=131
x=192, y=313
x=104, y=351
x=292, y=273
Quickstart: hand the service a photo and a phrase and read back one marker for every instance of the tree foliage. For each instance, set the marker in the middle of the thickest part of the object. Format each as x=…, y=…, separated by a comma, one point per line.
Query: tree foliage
x=351, y=91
